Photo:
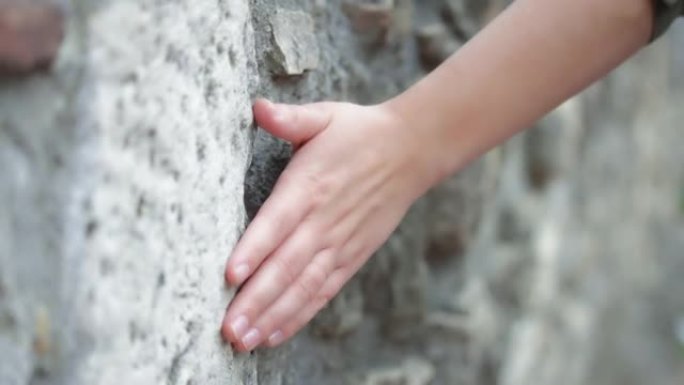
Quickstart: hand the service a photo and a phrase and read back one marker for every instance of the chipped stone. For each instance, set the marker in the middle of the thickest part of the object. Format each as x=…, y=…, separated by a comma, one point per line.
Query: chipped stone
x=295, y=46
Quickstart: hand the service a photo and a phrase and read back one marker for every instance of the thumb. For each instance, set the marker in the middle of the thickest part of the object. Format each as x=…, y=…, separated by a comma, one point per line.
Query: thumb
x=296, y=124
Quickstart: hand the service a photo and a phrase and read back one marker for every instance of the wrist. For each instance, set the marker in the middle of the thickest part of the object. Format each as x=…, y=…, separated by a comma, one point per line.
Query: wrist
x=444, y=130
x=432, y=160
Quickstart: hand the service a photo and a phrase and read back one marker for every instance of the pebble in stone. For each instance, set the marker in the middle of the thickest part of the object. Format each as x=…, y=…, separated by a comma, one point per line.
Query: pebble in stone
x=294, y=40
x=412, y=371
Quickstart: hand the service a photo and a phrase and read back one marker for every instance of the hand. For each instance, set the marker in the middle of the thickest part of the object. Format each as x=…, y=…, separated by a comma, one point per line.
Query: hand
x=354, y=175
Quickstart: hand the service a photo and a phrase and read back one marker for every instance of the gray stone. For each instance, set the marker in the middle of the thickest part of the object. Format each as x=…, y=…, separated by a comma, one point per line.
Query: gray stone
x=121, y=178
x=436, y=44
x=124, y=184
x=295, y=47
x=413, y=371
x=367, y=16
x=343, y=315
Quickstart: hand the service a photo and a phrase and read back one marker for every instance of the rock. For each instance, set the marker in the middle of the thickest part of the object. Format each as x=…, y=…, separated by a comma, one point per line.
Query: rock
x=465, y=17
x=412, y=371
x=295, y=48
x=121, y=188
x=552, y=147
x=373, y=19
x=436, y=43
x=456, y=207
x=343, y=315
x=366, y=15
x=123, y=191
x=395, y=280
x=451, y=324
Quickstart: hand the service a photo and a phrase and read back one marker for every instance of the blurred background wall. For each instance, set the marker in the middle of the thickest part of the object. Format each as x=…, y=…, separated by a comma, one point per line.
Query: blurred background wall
x=128, y=170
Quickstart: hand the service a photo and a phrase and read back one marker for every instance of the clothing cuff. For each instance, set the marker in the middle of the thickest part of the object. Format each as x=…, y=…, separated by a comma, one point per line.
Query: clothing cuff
x=664, y=13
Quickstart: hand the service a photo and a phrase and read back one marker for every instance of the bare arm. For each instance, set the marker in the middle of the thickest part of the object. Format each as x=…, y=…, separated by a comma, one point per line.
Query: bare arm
x=532, y=58
x=358, y=169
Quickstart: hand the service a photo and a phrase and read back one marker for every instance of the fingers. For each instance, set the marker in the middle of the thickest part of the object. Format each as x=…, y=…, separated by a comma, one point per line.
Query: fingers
x=302, y=316
x=296, y=124
x=282, y=212
x=280, y=325
x=272, y=279
x=289, y=203
x=303, y=291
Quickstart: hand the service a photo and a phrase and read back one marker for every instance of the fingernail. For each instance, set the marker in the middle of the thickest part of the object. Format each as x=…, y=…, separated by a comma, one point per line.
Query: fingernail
x=251, y=339
x=239, y=326
x=241, y=272
x=275, y=338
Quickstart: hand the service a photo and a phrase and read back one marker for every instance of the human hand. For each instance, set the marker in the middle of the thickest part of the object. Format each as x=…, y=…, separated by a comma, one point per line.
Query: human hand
x=355, y=173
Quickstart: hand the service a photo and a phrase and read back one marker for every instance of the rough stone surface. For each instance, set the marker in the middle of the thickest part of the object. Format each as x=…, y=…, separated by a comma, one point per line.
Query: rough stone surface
x=121, y=185
x=124, y=184
x=295, y=47
x=410, y=372
x=436, y=44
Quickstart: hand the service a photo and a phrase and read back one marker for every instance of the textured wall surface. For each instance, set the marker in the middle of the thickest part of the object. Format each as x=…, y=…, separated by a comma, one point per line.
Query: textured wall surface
x=128, y=171
x=121, y=188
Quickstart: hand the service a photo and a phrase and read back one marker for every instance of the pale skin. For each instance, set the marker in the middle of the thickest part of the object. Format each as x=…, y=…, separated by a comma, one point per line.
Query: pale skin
x=357, y=169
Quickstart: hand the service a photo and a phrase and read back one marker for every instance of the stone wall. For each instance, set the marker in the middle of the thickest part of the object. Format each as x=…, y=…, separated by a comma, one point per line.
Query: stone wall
x=129, y=169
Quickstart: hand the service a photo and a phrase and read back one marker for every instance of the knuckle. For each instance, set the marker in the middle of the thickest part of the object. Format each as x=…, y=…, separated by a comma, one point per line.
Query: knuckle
x=310, y=284
x=324, y=297
x=284, y=272
x=319, y=188
x=278, y=213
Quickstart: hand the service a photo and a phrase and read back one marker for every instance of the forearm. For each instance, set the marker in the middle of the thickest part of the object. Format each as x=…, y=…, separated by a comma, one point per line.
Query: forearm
x=534, y=56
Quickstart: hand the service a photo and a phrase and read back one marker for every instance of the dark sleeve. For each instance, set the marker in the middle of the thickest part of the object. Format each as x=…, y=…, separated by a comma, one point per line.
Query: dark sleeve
x=664, y=13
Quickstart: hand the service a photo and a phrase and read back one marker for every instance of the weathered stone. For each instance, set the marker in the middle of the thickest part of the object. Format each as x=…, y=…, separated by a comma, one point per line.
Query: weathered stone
x=449, y=323
x=455, y=209
x=295, y=48
x=553, y=145
x=343, y=315
x=681, y=200
x=466, y=17
x=369, y=15
x=122, y=182
x=121, y=179
x=436, y=44
x=395, y=281
x=377, y=23
x=413, y=371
